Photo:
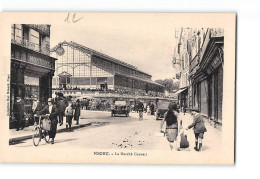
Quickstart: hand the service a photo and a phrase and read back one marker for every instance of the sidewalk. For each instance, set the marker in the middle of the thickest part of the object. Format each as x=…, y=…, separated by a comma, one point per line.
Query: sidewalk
x=26, y=133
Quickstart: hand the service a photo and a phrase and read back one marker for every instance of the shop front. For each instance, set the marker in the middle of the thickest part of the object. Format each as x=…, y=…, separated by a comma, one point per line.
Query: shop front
x=207, y=81
x=182, y=98
x=31, y=78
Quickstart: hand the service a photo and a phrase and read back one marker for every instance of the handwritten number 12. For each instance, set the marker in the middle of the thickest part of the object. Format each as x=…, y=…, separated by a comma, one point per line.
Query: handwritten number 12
x=72, y=19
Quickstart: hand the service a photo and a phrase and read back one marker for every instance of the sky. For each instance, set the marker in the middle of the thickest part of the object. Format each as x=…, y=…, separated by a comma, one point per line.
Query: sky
x=143, y=40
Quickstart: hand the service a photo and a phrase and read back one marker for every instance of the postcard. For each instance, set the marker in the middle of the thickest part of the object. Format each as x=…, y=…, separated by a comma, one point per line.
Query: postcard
x=118, y=88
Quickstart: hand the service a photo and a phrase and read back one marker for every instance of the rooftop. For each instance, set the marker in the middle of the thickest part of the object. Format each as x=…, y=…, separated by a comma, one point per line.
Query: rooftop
x=99, y=54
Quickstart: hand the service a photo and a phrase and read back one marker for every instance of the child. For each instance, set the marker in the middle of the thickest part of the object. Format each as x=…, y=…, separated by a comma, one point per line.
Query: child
x=198, y=127
x=69, y=115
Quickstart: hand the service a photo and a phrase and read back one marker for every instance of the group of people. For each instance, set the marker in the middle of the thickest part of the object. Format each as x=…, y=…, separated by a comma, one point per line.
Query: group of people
x=57, y=109
x=93, y=104
x=174, y=127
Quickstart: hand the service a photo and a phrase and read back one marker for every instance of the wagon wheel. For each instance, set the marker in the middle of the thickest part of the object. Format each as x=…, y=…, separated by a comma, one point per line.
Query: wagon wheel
x=36, y=136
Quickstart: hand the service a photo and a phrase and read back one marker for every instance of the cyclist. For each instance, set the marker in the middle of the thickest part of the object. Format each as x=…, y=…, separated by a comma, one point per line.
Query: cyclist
x=52, y=111
x=140, y=108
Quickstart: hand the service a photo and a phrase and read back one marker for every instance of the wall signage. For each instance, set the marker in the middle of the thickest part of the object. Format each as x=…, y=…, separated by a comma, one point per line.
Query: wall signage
x=39, y=61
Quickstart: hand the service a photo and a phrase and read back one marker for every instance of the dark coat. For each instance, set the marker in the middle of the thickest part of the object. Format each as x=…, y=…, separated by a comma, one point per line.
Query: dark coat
x=198, y=124
x=53, y=114
x=152, y=109
x=61, y=105
x=53, y=117
x=77, y=110
x=19, y=110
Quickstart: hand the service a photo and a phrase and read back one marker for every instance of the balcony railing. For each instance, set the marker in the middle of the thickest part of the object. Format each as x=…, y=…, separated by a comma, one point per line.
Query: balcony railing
x=45, y=49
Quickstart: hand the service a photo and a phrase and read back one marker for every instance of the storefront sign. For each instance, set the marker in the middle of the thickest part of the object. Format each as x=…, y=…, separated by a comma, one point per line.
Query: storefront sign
x=39, y=61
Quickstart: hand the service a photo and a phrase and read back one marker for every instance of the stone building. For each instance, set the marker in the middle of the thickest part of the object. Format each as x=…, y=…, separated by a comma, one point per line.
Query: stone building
x=189, y=42
x=32, y=67
x=206, y=75
x=201, y=54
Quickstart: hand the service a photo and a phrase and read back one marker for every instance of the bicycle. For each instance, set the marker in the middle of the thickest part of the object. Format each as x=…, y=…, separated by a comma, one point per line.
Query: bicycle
x=140, y=115
x=41, y=130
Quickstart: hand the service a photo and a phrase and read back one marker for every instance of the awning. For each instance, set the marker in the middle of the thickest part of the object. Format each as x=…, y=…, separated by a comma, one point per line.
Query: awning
x=180, y=90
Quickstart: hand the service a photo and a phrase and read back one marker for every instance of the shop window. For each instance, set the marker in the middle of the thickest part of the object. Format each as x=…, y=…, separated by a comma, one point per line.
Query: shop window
x=18, y=33
x=34, y=39
x=31, y=91
x=13, y=31
x=25, y=33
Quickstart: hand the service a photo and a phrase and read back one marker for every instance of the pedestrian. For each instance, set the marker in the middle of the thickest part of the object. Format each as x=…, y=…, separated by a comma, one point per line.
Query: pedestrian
x=140, y=109
x=199, y=128
x=83, y=104
x=171, y=119
x=152, y=109
x=87, y=104
x=52, y=112
x=19, y=113
x=69, y=112
x=36, y=106
x=77, y=112
x=148, y=110
x=61, y=106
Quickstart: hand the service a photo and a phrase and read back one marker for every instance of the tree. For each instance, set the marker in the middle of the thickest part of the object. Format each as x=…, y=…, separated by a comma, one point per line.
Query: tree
x=169, y=84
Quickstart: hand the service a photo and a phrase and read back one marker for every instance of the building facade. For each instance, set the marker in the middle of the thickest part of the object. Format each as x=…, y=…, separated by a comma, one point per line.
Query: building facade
x=188, y=44
x=202, y=75
x=83, y=68
x=32, y=67
x=206, y=74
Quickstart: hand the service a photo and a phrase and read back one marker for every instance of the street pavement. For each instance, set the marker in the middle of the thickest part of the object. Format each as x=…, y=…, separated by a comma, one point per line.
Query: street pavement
x=129, y=133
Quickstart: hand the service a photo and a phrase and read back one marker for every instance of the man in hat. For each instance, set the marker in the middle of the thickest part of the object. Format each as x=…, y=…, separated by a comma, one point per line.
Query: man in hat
x=51, y=110
x=198, y=127
x=19, y=113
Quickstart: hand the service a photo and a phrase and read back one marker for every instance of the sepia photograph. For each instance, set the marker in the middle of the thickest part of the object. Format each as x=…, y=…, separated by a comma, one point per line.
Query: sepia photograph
x=142, y=88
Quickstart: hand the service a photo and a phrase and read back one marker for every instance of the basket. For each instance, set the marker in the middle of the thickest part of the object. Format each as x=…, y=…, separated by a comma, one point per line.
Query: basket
x=46, y=124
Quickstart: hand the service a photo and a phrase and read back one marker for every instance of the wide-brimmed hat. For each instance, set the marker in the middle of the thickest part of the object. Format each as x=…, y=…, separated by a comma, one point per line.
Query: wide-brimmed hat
x=49, y=99
x=18, y=97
